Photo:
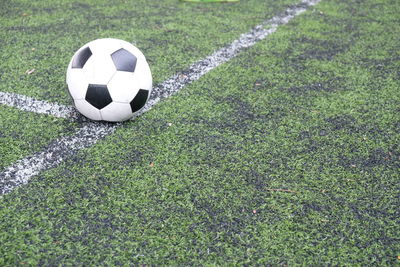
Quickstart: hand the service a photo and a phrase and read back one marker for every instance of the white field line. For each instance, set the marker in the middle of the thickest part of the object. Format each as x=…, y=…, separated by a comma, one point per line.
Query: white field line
x=27, y=103
x=23, y=170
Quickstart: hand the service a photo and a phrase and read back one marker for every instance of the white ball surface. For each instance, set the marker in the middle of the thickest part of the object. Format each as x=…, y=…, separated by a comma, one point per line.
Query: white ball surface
x=109, y=79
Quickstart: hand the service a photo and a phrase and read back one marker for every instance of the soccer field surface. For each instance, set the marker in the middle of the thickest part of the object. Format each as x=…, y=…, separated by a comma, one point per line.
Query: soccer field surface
x=271, y=138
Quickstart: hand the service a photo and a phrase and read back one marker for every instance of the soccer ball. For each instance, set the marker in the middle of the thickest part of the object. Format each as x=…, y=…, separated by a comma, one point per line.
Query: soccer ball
x=109, y=79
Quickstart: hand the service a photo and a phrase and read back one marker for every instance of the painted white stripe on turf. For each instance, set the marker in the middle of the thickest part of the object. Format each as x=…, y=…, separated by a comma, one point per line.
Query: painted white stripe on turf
x=53, y=155
x=26, y=103
x=198, y=69
x=23, y=170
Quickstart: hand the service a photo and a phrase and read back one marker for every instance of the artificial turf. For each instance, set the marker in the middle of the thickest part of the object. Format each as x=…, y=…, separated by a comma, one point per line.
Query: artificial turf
x=37, y=40
x=23, y=133
x=286, y=155
x=43, y=35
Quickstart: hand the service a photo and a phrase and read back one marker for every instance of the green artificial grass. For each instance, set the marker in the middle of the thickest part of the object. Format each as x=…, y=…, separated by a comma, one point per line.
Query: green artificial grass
x=37, y=40
x=286, y=155
x=44, y=36
x=24, y=133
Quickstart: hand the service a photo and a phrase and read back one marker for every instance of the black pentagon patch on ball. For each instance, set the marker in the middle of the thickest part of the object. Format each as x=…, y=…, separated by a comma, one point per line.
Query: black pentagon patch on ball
x=124, y=60
x=139, y=100
x=81, y=58
x=98, y=95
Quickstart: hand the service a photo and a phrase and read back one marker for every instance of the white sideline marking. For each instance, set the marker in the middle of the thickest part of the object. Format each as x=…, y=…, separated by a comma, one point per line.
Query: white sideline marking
x=26, y=103
x=53, y=155
x=23, y=170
